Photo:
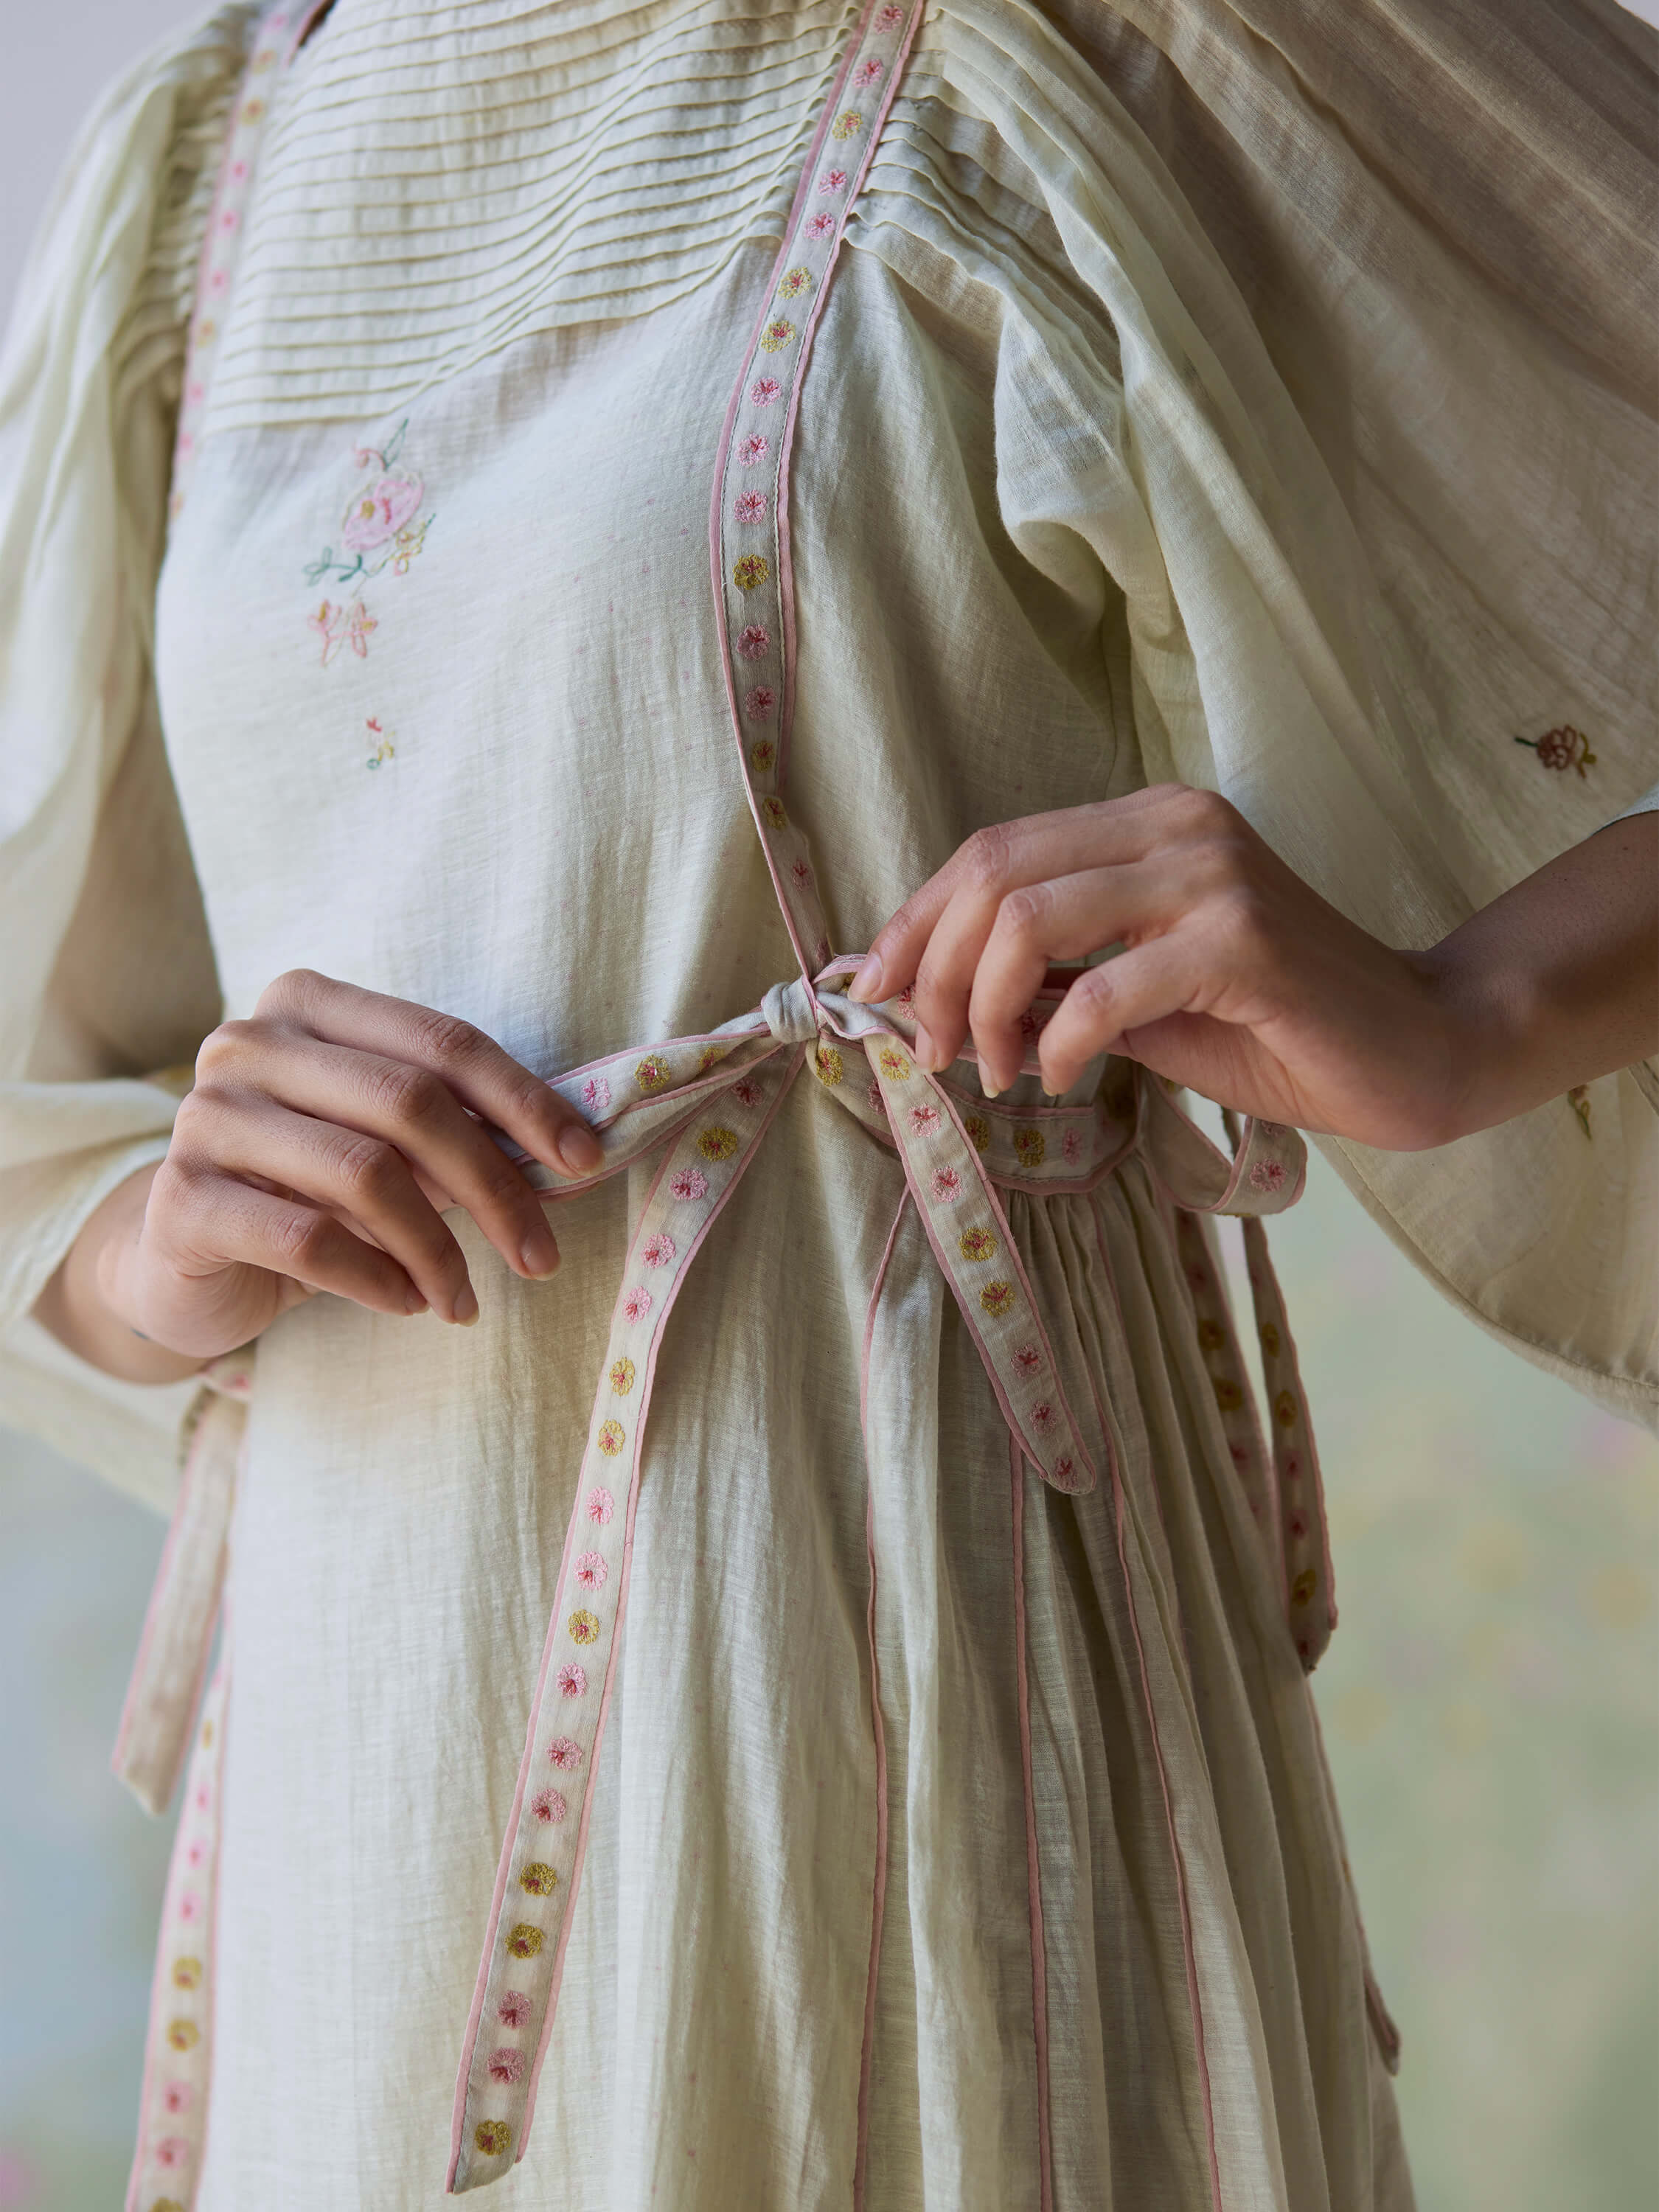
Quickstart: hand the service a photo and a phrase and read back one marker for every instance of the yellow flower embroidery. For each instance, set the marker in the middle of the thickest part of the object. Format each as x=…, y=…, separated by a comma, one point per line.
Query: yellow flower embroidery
x=750, y=572
x=763, y=754
x=1228, y=1395
x=621, y=1378
x=777, y=335
x=977, y=1244
x=712, y=1056
x=1304, y=1586
x=187, y=1974
x=207, y=1735
x=893, y=1064
x=997, y=1297
x=524, y=1940
x=795, y=283
x=979, y=1131
x=166, y=2205
x=540, y=1881
x=492, y=2137
x=1270, y=1340
x=611, y=1438
x=773, y=810
x=1284, y=1409
x=206, y=331
x=847, y=125
x=1212, y=1336
x=1030, y=1147
x=717, y=1144
x=584, y=1626
x=252, y=110
x=653, y=1072
x=830, y=1066
x=184, y=2034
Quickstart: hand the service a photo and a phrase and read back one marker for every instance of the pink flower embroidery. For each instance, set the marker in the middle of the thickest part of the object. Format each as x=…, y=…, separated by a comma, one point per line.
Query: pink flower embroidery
x=1063, y=1471
x=659, y=1250
x=1267, y=1175
x=637, y=1303
x=592, y=1573
x=1562, y=749
x=565, y=1753
x=907, y=1002
x=573, y=1680
x=549, y=1807
x=1042, y=1418
x=514, y=2009
x=1271, y=1128
x=867, y=73
x=173, y=2151
x=878, y=1103
x=507, y=2065
x=600, y=1507
x=196, y=1853
x=381, y=512
x=923, y=1119
x=801, y=872
x=764, y=389
x=690, y=1184
x=745, y=1092
x=753, y=640
x=190, y=1906
x=1071, y=1144
x=820, y=225
x=753, y=451
x=760, y=702
x=750, y=507
x=1027, y=1359
x=176, y=2096
x=1298, y=1524
x=595, y=1094
x=832, y=180
x=890, y=19
x=947, y=1186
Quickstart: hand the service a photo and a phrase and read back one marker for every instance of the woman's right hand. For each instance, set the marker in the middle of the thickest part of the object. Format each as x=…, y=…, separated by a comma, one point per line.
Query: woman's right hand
x=320, y=1144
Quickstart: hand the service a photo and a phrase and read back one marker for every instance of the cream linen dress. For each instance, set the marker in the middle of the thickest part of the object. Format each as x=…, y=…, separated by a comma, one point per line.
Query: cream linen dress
x=960, y=1835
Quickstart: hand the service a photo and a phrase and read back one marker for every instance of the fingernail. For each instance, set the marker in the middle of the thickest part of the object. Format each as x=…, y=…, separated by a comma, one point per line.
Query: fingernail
x=866, y=984
x=466, y=1306
x=538, y=1251
x=989, y=1089
x=414, y=1302
x=581, y=1150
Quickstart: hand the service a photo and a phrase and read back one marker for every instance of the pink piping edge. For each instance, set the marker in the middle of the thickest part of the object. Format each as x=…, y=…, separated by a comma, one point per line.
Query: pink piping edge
x=463, y=2079
x=878, y=1895
x=565, y=1925
x=1192, y=1998
x=1033, y=1859
x=877, y=125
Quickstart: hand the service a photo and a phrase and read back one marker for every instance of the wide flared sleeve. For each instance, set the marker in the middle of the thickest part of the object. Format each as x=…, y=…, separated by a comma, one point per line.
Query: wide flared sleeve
x=1325, y=386
x=107, y=982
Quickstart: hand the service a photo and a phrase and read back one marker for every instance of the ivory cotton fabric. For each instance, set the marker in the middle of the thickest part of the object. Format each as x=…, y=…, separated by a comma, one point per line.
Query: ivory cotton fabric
x=1259, y=398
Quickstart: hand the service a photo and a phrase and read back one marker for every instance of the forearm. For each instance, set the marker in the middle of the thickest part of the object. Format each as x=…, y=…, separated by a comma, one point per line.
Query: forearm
x=1556, y=982
x=82, y=1303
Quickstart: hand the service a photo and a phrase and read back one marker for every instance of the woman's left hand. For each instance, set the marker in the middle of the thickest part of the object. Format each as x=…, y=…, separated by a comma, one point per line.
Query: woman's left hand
x=1236, y=980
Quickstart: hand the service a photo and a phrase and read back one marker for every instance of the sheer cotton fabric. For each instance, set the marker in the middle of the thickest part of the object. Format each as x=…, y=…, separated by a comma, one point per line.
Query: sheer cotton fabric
x=1066, y=516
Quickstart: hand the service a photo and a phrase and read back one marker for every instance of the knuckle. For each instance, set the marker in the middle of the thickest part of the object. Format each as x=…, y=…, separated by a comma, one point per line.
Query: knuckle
x=986, y=856
x=222, y=1047
x=1023, y=908
x=445, y=1038
x=369, y=1169
x=405, y=1095
x=291, y=994
x=303, y=1241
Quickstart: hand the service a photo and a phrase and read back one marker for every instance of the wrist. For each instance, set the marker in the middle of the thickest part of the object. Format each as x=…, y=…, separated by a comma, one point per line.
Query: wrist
x=1492, y=1027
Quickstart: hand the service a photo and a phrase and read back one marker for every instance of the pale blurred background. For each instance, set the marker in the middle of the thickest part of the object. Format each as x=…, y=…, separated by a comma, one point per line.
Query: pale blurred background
x=1491, y=1699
